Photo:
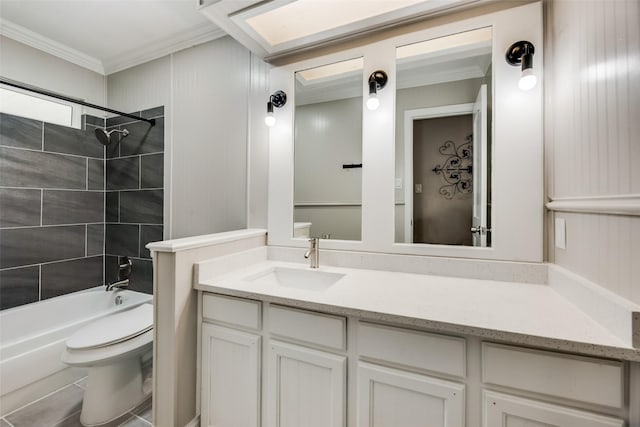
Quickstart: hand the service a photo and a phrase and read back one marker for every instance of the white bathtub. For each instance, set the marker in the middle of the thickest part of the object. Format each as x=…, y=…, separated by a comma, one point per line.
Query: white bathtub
x=32, y=336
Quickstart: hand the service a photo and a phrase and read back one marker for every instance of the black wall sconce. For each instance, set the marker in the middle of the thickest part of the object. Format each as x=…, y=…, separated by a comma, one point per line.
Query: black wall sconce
x=377, y=80
x=522, y=53
x=278, y=99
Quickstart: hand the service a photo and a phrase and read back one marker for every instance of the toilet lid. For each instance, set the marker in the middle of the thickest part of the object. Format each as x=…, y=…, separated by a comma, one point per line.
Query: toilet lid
x=113, y=328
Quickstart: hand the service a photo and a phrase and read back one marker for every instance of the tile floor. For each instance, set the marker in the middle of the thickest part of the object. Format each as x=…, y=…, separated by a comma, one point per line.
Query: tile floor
x=62, y=409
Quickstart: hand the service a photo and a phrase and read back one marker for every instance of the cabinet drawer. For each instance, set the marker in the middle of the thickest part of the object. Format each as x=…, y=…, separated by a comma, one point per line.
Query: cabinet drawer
x=431, y=352
x=234, y=311
x=307, y=326
x=583, y=379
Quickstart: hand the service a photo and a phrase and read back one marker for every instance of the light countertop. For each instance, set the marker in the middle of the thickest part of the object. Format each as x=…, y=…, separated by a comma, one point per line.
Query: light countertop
x=521, y=313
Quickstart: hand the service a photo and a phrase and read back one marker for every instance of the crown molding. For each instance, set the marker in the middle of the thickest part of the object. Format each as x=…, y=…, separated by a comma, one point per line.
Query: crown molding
x=193, y=37
x=52, y=47
x=155, y=50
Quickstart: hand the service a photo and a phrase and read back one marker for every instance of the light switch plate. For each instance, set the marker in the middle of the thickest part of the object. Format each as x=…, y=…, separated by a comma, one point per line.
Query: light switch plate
x=561, y=233
x=398, y=183
x=418, y=188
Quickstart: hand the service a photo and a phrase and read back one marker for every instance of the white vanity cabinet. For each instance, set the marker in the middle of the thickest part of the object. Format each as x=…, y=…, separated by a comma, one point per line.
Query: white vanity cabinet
x=305, y=387
x=396, y=383
x=230, y=363
x=270, y=365
x=556, y=377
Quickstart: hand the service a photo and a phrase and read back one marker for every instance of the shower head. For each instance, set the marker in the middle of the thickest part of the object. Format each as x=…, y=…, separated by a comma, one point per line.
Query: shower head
x=104, y=136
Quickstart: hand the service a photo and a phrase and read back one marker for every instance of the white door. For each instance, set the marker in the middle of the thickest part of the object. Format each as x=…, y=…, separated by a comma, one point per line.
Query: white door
x=480, y=141
x=230, y=378
x=306, y=388
x=503, y=410
x=390, y=397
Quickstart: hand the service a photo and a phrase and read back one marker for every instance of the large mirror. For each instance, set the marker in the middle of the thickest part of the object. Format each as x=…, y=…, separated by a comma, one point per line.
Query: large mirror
x=443, y=140
x=328, y=151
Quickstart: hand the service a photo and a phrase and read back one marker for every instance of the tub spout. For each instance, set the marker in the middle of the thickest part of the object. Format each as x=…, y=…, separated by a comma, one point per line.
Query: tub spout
x=120, y=284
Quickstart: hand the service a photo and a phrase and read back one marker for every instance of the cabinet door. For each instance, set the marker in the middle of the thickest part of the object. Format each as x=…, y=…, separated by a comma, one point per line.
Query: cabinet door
x=306, y=388
x=230, y=378
x=390, y=397
x=503, y=410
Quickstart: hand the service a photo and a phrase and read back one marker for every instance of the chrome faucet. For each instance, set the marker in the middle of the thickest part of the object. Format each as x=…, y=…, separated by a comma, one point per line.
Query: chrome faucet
x=124, y=271
x=120, y=284
x=314, y=252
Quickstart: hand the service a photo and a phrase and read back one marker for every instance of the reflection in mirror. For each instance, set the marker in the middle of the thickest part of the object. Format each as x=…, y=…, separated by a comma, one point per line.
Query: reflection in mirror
x=443, y=140
x=328, y=151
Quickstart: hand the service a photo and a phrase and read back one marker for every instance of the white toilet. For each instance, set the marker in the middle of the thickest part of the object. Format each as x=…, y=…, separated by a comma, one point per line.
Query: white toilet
x=112, y=349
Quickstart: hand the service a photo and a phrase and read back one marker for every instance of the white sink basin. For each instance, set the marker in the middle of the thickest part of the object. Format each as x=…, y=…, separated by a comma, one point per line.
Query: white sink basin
x=312, y=280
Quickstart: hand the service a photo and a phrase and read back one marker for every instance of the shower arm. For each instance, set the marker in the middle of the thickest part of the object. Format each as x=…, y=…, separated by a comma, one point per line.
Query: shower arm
x=74, y=100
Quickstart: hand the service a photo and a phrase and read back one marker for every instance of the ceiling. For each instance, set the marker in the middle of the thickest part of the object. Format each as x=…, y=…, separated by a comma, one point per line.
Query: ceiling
x=106, y=35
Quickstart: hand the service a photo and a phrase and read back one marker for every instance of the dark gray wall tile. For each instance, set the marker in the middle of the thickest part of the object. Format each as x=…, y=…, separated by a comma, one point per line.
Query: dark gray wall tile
x=152, y=112
x=141, y=279
x=149, y=233
x=93, y=120
x=19, y=286
x=117, y=120
x=112, y=206
x=19, y=208
x=50, y=410
x=122, y=240
x=64, y=277
x=151, y=171
x=95, y=239
x=72, y=207
x=26, y=246
x=113, y=149
x=142, y=276
x=143, y=138
x=63, y=139
x=96, y=174
x=20, y=132
x=123, y=174
x=144, y=206
x=23, y=168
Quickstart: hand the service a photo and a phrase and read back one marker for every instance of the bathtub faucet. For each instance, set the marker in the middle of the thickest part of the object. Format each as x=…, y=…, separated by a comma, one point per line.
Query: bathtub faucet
x=124, y=271
x=120, y=284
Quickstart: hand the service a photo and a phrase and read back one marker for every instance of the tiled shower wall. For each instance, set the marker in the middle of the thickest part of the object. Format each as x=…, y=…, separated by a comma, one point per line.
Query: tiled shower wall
x=134, y=196
x=56, y=196
x=51, y=210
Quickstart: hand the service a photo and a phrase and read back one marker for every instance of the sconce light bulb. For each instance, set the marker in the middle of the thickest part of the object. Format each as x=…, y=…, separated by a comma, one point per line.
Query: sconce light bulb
x=373, y=102
x=528, y=80
x=270, y=119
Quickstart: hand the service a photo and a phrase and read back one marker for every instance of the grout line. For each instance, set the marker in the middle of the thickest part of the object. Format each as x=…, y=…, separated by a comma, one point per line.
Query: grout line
x=55, y=153
x=118, y=207
x=42, y=145
x=52, y=189
x=39, y=282
x=134, y=155
x=39, y=399
x=6, y=421
x=139, y=239
x=86, y=240
x=87, y=175
x=47, y=263
x=139, y=172
x=141, y=419
x=53, y=225
x=41, y=206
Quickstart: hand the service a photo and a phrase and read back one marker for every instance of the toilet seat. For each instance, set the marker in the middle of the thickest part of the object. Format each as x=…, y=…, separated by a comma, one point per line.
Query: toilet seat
x=113, y=329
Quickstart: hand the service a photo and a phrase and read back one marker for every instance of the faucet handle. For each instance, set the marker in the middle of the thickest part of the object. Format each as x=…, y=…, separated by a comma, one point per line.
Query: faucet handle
x=125, y=266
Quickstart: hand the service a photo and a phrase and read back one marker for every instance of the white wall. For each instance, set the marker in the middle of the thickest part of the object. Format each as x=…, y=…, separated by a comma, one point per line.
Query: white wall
x=592, y=127
x=25, y=64
x=206, y=92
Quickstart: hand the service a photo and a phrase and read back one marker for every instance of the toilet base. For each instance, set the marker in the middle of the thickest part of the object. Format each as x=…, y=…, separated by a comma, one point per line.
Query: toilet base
x=112, y=390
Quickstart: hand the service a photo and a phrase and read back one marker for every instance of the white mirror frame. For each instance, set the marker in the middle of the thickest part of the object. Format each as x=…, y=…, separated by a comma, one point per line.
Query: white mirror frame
x=517, y=205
